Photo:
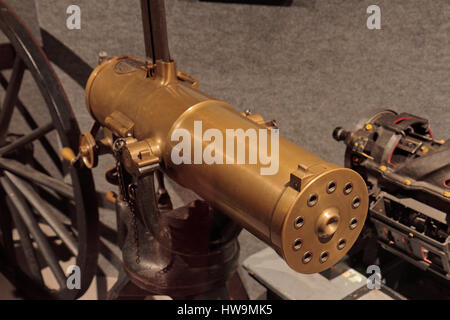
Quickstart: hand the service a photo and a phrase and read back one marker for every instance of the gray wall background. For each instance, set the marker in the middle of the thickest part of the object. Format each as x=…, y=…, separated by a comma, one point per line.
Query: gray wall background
x=312, y=66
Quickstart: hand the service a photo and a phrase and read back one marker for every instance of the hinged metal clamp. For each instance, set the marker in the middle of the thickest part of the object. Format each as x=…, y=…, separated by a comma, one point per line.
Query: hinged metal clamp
x=120, y=124
x=139, y=157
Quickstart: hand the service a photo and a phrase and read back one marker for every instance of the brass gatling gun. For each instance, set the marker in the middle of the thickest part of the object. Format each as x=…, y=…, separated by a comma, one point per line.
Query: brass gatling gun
x=310, y=211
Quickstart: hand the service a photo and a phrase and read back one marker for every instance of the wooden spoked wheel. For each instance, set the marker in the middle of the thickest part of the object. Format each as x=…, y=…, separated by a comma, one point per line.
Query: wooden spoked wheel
x=48, y=210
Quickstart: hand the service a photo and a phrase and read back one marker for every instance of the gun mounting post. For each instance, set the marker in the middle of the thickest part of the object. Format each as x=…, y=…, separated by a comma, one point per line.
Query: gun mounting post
x=155, y=30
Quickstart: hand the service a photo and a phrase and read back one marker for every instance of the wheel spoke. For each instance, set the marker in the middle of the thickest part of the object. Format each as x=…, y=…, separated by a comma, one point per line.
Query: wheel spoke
x=38, y=177
x=107, y=233
x=11, y=95
x=6, y=226
x=32, y=225
x=63, y=208
x=6, y=56
x=35, y=134
x=109, y=255
x=51, y=187
x=38, y=166
x=27, y=246
x=33, y=125
x=46, y=211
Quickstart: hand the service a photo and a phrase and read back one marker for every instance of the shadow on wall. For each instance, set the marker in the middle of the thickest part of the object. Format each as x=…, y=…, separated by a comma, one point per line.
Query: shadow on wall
x=281, y=3
x=65, y=58
x=308, y=4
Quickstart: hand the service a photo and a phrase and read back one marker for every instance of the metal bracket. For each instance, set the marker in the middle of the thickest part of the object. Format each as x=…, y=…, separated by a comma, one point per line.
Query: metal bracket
x=139, y=158
x=119, y=124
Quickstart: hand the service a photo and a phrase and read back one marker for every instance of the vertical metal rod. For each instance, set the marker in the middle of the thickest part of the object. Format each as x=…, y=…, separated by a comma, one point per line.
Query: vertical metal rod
x=155, y=30
x=7, y=55
x=146, y=24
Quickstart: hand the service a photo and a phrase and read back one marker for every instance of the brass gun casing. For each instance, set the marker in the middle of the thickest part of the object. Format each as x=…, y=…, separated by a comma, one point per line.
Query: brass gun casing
x=310, y=211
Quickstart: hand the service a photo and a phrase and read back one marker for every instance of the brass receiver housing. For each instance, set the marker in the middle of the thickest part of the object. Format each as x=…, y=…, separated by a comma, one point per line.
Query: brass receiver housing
x=311, y=211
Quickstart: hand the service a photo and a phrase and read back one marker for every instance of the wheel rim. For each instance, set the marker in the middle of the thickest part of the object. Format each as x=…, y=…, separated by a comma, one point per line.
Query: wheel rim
x=25, y=185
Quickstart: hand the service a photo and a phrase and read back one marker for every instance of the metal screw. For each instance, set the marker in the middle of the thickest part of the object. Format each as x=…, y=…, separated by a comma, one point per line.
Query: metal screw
x=119, y=144
x=102, y=57
x=132, y=191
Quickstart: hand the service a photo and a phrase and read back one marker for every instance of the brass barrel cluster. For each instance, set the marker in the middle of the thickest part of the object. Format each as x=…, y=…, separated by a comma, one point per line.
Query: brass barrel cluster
x=310, y=211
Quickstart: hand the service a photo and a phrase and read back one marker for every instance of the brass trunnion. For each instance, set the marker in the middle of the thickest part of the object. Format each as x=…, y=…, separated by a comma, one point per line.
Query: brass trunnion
x=311, y=211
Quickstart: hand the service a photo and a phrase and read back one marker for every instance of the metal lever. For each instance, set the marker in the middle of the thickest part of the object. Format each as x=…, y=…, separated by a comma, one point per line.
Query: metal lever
x=87, y=152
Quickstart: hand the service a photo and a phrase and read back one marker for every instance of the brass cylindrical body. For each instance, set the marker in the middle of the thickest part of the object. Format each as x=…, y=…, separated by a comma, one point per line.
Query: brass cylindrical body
x=310, y=211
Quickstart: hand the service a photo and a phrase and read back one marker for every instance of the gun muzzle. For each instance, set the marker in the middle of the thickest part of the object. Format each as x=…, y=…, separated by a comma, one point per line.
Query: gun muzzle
x=310, y=211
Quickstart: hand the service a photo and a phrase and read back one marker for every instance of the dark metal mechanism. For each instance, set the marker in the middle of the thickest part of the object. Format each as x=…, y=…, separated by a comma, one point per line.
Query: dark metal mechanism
x=407, y=171
x=183, y=253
